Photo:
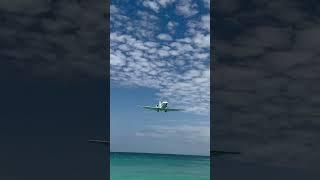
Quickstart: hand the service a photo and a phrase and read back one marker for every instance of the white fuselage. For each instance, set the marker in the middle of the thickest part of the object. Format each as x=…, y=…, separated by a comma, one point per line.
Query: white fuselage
x=163, y=105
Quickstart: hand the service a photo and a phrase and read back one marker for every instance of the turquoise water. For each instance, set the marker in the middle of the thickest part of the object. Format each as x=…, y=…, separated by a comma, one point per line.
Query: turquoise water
x=141, y=166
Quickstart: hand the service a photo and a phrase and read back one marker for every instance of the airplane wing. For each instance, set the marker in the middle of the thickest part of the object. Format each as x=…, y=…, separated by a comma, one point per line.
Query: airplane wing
x=98, y=141
x=213, y=153
x=150, y=107
x=219, y=153
x=169, y=109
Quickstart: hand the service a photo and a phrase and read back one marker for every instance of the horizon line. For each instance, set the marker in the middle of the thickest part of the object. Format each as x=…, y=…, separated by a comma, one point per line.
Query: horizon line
x=160, y=153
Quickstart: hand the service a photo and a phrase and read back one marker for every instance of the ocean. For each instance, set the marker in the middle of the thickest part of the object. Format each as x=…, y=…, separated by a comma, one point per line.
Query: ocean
x=145, y=166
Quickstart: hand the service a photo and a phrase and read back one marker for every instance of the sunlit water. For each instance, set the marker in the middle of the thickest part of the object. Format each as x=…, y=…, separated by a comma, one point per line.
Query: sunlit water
x=140, y=166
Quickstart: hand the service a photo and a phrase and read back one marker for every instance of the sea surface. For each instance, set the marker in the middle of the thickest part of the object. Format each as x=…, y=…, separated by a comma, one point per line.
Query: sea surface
x=145, y=166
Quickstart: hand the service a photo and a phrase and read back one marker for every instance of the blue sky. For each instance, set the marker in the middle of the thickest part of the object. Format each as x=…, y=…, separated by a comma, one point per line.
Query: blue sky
x=160, y=50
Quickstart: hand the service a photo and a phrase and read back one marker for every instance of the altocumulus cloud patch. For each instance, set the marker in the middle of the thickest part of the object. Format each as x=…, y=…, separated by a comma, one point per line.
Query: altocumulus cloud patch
x=148, y=49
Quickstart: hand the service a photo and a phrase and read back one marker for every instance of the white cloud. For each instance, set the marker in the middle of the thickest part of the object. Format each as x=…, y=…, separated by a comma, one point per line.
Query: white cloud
x=165, y=37
x=113, y=9
x=117, y=59
x=152, y=5
x=205, y=22
x=199, y=26
x=207, y=3
x=202, y=40
x=142, y=26
x=155, y=5
x=164, y=3
x=202, y=55
x=199, y=133
x=186, y=8
x=172, y=26
x=163, y=53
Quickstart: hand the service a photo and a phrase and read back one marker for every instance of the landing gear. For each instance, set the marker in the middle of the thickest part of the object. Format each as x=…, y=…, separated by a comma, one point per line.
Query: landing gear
x=165, y=110
x=157, y=110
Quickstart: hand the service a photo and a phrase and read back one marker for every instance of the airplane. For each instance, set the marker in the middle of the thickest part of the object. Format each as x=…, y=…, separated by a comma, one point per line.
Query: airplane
x=212, y=152
x=162, y=106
